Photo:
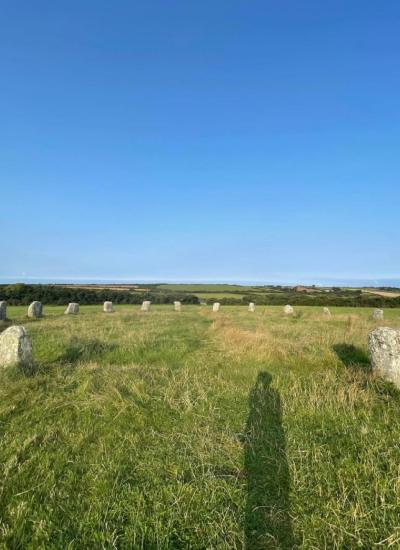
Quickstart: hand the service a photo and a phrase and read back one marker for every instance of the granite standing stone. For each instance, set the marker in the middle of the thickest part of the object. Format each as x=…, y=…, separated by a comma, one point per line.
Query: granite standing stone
x=146, y=305
x=72, y=309
x=108, y=307
x=288, y=310
x=3, y=311
x=384, y=349
x=35, y=310
x=326, y=311
x=15, y=347
x=215, y=307
x=377, y=314
x=177, y=306
x=252, y=307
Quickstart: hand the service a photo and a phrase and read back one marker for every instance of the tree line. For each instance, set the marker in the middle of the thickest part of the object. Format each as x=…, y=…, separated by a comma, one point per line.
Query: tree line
x=24, y=294
x=345, y=299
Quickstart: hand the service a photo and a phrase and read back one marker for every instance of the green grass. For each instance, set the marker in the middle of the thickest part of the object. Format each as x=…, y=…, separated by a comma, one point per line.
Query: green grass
x=197, y=430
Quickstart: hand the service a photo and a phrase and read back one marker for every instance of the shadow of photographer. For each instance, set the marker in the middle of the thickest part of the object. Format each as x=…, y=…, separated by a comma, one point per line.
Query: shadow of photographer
x=267, y=523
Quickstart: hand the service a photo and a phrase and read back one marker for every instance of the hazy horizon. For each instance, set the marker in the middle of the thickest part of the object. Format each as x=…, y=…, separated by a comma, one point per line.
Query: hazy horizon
x=356, y=282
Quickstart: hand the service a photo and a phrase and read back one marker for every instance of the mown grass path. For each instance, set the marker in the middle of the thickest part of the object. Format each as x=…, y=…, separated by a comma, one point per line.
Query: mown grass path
x=199, y=430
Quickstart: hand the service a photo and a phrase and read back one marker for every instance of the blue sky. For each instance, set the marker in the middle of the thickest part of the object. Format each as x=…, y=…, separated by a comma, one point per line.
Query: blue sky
x=213, y=140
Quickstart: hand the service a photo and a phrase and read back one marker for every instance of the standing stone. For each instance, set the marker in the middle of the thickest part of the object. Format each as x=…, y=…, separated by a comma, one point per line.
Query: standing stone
x=384, y=348
x=377, y=314
x=216, y=307
x=288, y=310
x=35, y=310
x=108, y=307
x=146, y=305
x=72, y=309
x=326, y=312
x=252, y=307
x=177, y=306
x=3, y=311
x=15, y=347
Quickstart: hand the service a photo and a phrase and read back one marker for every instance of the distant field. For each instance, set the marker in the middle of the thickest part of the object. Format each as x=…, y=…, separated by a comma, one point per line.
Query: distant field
x=197, y=430
x=205, y=288
x=387, y=293
x=218, y=295
x=131, y=288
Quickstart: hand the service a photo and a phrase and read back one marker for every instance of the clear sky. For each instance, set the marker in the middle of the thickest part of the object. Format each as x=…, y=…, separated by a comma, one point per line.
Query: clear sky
x=193, y=140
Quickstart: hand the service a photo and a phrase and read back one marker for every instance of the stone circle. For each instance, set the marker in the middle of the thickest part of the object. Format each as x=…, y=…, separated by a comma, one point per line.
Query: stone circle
x=3, y=310
x=35, y=310
x=15, y=347
x=108, y=307
x=288, y=310
x=146, y=305
x=384, y=349
x=377, y=314
x=72, y=309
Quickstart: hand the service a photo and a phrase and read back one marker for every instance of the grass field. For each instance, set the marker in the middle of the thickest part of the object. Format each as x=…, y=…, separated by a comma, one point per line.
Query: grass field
x=197, y=430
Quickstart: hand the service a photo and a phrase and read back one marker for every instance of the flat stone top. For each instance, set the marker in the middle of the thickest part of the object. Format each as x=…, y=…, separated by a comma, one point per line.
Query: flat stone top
x=378, y=313
x=385, y=332
x=72, y=307
x=14, y=331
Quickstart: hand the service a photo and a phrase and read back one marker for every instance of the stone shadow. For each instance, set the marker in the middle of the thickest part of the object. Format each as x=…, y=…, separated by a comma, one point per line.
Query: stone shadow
x=267, y=517
x=84, y=350
x=352, y=356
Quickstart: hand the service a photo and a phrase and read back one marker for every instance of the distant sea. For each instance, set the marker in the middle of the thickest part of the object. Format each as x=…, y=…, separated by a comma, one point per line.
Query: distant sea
x=301, y=281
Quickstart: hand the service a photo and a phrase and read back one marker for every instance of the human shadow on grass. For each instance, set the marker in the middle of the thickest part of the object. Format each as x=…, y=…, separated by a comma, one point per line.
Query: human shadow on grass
x=352, y=357
x=84, y=350
x=267, y=521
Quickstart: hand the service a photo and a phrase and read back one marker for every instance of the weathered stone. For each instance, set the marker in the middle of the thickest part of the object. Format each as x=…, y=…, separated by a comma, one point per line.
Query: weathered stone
x=108, y=307
x=146, y=305
x=252, y=307
x=15, y=347
x=215, y=307
x=3, y=311
x=326, y=311
x=72, y=309
x=288, y=310
x=384, y=349
x=377, y=314
x=177, y=306
x=35, y=309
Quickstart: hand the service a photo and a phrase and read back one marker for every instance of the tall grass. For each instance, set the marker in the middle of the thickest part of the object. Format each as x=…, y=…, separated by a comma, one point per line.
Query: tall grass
x=199, y=430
